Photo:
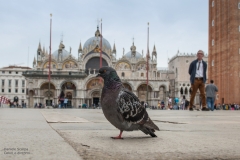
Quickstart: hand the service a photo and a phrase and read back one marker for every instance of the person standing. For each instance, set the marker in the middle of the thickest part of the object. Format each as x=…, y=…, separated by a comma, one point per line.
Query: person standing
x=211, y=90
x=61, y=98
x=65, y=102
x=197, y=71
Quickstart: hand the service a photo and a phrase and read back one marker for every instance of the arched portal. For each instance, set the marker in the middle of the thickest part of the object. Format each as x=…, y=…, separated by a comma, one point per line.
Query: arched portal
x=127, y=86
x=94, y=63
x=142, y=92
x=162, y=93
x=93, y=91
x=70, y=93
x=47, y=96
x=95, y=98
x=30, y=96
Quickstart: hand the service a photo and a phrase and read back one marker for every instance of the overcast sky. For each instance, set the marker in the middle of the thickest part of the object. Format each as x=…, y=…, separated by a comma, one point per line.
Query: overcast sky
x=174, y=24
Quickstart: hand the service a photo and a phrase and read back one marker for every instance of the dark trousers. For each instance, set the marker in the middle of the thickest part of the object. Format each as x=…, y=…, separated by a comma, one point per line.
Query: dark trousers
x=198, y=84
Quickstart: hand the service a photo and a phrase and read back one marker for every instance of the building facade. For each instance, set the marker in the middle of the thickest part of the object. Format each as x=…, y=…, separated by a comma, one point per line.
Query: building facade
x=224, y=49
x=13, y=83
x=180, y=82
x=76, y=76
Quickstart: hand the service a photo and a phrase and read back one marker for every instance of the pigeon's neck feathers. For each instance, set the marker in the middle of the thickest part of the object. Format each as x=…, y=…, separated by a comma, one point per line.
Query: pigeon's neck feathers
x=112, y=81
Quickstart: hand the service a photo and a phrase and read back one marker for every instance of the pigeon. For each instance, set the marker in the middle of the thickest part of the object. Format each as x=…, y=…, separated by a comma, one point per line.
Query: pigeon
x=121, y=107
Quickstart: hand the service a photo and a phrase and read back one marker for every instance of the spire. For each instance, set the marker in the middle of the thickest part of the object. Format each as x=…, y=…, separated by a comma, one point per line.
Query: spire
x=80, y=48
x=133, y=50
x=43, y=50
x=34, y=60
x=39, y=47
x=154, y=50
x=114, y=48
x=61, y=45
x=97, y=33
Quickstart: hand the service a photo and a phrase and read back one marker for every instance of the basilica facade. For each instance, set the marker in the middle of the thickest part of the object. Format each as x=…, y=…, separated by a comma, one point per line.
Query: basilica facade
x=76, y=76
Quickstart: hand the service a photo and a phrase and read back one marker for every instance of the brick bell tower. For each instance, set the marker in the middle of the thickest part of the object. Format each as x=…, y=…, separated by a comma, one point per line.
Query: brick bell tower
x=224, y=49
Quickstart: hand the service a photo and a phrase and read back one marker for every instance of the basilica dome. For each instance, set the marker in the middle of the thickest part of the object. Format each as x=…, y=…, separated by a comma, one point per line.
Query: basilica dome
x=129, y=55
x=65, y=54
x=95, y=41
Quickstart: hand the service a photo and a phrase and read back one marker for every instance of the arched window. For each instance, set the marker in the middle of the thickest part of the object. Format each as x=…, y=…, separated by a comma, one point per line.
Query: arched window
x=190, y=90
x=186, y=91
x=181, y=90
x=239, y=5
x=212, y=22
x=213, y=42
x=142, y=74
x=212, y=3
x=176, y=73
x=212, y=62
x=123, y=74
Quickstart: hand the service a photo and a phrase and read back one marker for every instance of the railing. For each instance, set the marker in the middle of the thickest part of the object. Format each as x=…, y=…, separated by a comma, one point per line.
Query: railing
x=55, y=73
x=82, y=74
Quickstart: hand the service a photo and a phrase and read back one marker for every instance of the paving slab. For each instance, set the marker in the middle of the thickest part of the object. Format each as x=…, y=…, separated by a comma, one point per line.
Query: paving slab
x=25, y=134
x=184, y=135
x=56, y=117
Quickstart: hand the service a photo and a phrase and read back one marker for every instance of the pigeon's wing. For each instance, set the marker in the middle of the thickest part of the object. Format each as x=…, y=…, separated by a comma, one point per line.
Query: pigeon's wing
x=131, y=108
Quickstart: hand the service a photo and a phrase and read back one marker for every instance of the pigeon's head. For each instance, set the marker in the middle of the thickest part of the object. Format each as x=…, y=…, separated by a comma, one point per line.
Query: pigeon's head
x=108, y=73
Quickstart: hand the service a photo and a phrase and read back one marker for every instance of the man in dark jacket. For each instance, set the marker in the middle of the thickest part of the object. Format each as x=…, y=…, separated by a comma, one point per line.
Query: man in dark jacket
x=197, y=71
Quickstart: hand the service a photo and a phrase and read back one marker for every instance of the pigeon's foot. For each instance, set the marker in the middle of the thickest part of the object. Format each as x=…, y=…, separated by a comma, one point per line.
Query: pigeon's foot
x=118, y=137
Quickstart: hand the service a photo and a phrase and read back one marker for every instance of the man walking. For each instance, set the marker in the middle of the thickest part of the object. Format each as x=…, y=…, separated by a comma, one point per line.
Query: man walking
x=197, y=71
x=211, y=90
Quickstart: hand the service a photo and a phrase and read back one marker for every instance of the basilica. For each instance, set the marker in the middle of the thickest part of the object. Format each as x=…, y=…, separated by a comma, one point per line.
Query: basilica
x=76, y=76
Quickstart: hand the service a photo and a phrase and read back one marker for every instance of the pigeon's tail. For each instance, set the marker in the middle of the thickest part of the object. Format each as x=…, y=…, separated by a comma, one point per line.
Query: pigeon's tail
x=148, y=131
x=149, y=124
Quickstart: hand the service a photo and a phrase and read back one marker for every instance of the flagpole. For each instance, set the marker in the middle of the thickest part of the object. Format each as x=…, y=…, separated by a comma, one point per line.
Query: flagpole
x=49, y=68
x=101, y=47
x=147, y=60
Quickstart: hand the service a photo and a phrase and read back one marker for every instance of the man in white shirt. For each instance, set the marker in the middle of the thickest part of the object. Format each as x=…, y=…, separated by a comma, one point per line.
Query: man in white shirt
x=197, y=72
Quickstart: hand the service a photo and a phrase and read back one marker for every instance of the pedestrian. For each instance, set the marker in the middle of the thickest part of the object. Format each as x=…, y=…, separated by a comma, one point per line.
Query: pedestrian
x=183, y=102
x=169, y=102
x=211, y=90
x=226, y=107
x=61, y=98
x=65, y=102
x=158, y=105
x=197, y=71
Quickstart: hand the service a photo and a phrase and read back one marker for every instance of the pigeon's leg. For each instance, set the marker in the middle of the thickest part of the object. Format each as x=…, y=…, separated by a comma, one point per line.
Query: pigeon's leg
x=118, y=137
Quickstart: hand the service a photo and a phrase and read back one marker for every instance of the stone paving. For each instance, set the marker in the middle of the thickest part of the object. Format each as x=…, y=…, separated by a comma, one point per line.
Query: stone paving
x=85, y=133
